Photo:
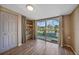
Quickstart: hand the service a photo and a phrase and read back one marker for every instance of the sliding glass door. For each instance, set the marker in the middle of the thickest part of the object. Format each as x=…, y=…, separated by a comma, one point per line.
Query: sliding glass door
x=52, y=30
x=48, y=29
x=40, y=30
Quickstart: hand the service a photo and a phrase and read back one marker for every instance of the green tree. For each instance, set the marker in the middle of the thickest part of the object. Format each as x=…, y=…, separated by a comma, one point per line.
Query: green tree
x=55, y=29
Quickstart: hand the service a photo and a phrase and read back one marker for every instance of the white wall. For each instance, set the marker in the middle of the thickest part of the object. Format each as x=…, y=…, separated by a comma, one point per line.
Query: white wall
x=75, y=29
x=19, y=31
x=67, y=31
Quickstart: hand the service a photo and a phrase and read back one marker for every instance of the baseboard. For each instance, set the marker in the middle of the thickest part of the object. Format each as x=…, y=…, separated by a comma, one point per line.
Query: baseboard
x=19, y=44
x=71, y=49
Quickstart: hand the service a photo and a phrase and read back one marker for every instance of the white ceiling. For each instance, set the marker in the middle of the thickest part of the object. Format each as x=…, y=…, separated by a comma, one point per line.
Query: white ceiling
x=42, y=10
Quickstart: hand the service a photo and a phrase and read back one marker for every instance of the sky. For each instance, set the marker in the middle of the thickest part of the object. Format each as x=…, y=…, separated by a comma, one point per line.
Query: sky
x=51, y=22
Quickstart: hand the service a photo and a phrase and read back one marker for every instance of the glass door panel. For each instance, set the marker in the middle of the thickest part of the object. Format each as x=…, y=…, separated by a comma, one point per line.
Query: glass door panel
x=40, y=30
x=48, y=30
x=52, y=30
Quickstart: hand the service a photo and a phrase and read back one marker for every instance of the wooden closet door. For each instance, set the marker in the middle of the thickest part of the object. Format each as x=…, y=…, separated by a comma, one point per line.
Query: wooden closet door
x=12, y=26
x=3, y=32
x=8, y=31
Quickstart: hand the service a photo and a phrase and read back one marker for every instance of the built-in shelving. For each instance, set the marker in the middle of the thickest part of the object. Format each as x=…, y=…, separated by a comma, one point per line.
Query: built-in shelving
x=27, y=29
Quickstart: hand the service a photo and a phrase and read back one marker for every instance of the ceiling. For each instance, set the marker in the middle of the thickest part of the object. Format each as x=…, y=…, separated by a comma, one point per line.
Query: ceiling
x=42, y=10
